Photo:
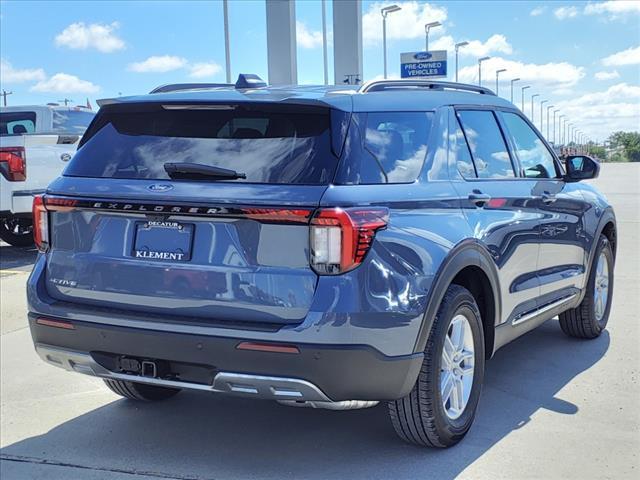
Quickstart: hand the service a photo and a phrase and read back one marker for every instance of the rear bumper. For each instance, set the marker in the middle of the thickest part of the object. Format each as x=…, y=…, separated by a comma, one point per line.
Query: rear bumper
x=318, y=373
x=17, y=202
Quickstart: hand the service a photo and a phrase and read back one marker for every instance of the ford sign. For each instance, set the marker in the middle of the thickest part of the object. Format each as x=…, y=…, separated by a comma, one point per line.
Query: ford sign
x=160, y=187
x=420, y=56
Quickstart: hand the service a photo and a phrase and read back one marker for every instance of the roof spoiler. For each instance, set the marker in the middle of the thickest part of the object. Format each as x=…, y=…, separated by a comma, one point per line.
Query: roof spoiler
x=245, y=80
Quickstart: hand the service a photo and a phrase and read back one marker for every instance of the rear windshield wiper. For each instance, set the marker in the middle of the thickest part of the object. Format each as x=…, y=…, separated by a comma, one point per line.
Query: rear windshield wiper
x=199, y=171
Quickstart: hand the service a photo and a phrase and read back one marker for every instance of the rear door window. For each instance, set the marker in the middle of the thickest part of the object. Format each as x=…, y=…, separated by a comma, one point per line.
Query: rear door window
x=490, y=154
x=535, y=158
x=281, y=144
x=16, y=123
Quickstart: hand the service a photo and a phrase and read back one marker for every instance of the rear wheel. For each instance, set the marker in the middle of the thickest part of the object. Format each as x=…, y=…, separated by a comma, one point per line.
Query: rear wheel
x=140, y=391
x=590, y=318
x=440, y=409
x=16, y=231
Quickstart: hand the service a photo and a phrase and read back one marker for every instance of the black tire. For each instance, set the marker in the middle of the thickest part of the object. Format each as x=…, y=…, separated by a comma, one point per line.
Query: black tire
x=582, y=321
x=140, y=391
x=420, y=417
x=17, y=232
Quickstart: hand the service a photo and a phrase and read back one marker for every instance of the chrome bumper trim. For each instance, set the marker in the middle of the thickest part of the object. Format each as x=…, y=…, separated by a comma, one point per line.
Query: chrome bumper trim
x=256, y=386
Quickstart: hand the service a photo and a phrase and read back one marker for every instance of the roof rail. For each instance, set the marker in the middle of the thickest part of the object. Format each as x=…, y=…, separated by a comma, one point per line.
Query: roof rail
x=381, y=85
x=245, y=80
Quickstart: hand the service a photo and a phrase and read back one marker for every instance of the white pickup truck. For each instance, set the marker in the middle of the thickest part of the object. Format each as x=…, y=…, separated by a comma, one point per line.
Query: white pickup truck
x=36, y=142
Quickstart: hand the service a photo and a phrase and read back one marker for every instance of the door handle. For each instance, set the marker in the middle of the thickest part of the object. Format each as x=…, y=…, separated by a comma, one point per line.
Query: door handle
x=478, y=198
x=548, y=198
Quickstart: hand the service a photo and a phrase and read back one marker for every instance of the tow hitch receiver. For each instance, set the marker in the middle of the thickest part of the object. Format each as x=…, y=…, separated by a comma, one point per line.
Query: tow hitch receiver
x=149, y=369
x=144, y=368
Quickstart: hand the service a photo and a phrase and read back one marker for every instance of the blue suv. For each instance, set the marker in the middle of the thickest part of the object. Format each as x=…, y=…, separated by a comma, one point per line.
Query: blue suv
x=318, y=246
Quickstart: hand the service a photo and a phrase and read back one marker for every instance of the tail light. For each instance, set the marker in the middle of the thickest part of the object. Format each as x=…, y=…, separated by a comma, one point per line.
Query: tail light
x=12, y=163
x=340, y=238
x=40, y=224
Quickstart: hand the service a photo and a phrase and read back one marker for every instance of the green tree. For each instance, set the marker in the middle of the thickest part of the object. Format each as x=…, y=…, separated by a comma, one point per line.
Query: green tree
x=628, y=143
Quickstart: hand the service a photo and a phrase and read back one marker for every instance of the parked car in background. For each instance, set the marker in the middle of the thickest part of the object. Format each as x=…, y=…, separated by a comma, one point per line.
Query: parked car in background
x=316, y=246
x=36, y=142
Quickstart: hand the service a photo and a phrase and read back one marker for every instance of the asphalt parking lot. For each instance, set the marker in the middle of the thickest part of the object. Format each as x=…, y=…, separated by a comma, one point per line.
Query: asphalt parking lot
x=552, y=407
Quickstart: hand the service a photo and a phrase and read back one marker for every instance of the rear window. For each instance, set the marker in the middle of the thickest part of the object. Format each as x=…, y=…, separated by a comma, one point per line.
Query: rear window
x=71, y=121
x=270, y=143
x=16, y=123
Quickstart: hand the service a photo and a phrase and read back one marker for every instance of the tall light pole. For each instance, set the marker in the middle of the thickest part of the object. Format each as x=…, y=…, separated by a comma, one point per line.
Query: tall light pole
x=560, y=117
x=480, y=60
x=324, y=42
x=523, y=89
x=498, y=72
x=548, y=124
x=458, y=46
x=428, y=27
x=227, y=54
x=564, y=131
x=554, y=126
x=532, y=97
x=542, y=102
x=513, y=80
x=384, y=12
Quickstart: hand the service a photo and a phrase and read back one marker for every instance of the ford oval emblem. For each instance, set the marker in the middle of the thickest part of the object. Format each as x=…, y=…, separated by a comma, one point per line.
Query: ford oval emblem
x=422, y=56
x=160, y=187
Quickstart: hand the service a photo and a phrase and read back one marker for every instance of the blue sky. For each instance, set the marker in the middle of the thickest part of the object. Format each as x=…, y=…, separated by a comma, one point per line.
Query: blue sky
x=583, y=57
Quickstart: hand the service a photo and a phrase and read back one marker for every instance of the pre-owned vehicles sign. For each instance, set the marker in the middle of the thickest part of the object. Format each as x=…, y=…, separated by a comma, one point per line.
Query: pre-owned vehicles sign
x=431, y=64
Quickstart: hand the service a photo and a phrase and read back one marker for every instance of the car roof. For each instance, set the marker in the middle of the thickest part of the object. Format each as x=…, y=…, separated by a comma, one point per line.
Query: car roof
x=22, y=108
x=348, y=98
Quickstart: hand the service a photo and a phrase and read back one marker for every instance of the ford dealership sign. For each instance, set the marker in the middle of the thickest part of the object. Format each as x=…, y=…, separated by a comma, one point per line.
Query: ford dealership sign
x=431, y=64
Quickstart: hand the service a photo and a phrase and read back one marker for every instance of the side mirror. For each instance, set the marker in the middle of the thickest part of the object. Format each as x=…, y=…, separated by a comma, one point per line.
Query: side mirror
x=580, y=167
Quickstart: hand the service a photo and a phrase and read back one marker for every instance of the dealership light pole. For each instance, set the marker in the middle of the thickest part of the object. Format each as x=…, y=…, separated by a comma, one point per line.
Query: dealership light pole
x=513, y=80
x=324, y=42
x=560, y=117
x=532, y=97
x=480, y=60
x=458, y=46
x=498, y=72
x=227, y=54
x=542, y=102
x=384, y=12
x=523, y=89
x=554, y=126
x=548, y=124
x=428, y=27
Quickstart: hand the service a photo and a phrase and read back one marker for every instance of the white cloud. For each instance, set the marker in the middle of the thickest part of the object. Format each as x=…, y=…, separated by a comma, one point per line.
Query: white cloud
x=407, y=23
x=614, y=10
x=158, y=64
x=607, y=75
x=65, y=83
x=80, y=36
x=563, y=13
x=496, y=43
x=630, y=56
x=549, y=75
x=599, y=114
x=537, y=11
x=307, y=38
x=9, y=74
x=204, y=69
